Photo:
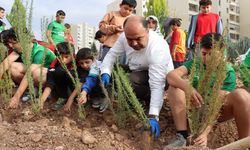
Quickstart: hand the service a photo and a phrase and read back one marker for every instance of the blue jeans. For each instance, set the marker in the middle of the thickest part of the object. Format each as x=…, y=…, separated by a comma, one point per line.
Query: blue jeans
x=103, y=52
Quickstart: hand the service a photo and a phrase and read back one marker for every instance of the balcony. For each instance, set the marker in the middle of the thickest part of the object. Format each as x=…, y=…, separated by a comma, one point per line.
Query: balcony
x=234, y=19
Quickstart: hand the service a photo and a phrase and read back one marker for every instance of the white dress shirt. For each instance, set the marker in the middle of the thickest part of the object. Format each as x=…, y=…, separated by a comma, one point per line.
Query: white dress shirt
x=155, y=58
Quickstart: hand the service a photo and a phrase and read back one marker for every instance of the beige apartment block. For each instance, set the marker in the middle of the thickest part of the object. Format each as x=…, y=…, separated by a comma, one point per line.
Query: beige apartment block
x=244, y=22
x=83, y=35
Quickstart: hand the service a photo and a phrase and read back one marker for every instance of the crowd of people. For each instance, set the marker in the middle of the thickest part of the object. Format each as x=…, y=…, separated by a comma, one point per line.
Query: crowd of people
x=154, y=66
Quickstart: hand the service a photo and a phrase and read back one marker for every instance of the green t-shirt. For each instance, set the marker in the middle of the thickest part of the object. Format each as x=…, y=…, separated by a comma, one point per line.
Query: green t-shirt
x=37, y=55
x=229, y=83
x=57, y=31
x=245, y=71
x=2, y=26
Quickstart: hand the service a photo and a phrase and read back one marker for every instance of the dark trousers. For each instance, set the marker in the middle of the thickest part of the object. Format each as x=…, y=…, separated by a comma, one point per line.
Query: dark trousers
x=140, y=84
x=177, y=64
x=60, y=82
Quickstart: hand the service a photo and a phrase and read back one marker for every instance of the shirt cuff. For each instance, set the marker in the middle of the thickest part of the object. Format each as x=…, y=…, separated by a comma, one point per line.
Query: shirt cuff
x=154, y=111
x=85, y=89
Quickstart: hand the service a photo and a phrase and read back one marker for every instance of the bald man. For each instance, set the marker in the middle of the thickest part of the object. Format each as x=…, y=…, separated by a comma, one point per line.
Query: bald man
x=149, y=61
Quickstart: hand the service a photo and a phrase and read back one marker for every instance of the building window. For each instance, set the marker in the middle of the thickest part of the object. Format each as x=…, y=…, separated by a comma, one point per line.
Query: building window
x=237, y=10
x=231, y=17
x=237, y=19
x=232, y=36
x=232, y=8
x=134, y=11
x=193, y=7
x=237, y=37
x=219, y=2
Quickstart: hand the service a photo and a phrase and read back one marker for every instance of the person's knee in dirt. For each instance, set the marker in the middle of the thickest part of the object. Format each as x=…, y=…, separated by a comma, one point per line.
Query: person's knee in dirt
x=57, y=73
x=22, y=87
x=10, y=40
x=39, y=76
x=179, y=87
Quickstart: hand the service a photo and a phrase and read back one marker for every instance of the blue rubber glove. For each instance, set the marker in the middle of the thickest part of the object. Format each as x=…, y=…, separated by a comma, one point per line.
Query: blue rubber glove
x=105, y=79
x=155, y=127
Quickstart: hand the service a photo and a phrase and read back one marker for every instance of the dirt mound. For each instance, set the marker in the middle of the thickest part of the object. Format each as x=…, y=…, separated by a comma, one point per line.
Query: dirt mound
x=22, y=129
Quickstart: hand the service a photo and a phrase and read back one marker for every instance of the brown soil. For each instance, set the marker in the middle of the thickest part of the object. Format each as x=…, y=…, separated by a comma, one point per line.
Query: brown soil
x=22, y=129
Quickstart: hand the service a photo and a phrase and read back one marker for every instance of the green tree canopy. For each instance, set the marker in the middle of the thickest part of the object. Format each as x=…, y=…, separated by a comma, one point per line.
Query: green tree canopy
x=93, y=48
x=17, y=16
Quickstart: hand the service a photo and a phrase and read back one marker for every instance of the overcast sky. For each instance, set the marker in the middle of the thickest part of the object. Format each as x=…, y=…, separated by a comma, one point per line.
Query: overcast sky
x=77, y=11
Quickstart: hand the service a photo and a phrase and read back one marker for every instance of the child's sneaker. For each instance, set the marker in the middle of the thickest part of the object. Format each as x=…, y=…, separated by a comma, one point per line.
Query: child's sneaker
x=26, y=95
x=99, y=103
x=96, y=102
x=178, y=141
x=59, y=104
x=104, y=105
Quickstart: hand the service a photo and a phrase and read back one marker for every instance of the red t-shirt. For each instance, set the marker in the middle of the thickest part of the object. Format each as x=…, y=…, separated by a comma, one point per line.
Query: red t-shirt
x=69, y=38
x=178, y=38
x=206, y=23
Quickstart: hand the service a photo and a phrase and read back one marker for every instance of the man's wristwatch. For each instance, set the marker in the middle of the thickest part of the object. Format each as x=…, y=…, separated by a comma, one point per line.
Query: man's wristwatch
x=154, y=116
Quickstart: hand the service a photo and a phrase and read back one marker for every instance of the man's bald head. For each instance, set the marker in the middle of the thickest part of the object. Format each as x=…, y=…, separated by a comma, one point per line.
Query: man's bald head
x=136, y=32
x=135, y=21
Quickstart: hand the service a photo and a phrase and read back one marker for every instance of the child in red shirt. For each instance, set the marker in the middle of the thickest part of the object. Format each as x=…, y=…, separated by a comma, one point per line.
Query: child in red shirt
x=177, y=43
x=203, y=23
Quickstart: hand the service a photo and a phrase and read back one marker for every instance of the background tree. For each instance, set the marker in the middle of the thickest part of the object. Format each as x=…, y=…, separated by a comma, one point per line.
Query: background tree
x=93, y=48
x=44, y=25
x=157, y=8
x=17, y=17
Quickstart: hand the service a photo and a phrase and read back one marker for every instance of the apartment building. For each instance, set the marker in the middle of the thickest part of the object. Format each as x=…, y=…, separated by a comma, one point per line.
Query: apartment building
x=244, y=22
x=84, y=35
x=232, y=17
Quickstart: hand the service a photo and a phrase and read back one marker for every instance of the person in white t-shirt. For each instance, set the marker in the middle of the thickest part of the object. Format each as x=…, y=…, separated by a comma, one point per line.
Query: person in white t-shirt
x=149, y=61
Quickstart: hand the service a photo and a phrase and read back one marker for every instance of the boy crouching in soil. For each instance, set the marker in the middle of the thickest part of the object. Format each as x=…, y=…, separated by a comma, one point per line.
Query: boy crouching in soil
x=88, y=72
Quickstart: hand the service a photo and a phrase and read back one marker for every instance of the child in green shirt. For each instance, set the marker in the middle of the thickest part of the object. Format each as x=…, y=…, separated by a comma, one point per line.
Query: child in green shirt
x=56, y=29
x=236, y=102
x=2, y=24
x=18, y=69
